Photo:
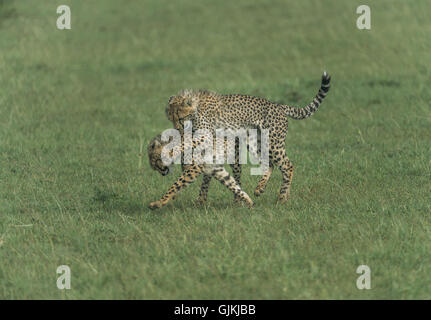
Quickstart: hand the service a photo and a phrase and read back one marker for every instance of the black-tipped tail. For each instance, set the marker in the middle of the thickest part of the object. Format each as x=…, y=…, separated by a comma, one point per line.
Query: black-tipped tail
x=307, y=111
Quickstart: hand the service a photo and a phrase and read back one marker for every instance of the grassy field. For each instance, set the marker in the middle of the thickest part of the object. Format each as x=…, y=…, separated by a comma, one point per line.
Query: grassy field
x=77, y=106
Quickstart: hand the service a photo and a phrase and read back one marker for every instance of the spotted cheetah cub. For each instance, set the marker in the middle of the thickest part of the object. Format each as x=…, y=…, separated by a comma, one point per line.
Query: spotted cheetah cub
x=155, y=148
x=190, y=174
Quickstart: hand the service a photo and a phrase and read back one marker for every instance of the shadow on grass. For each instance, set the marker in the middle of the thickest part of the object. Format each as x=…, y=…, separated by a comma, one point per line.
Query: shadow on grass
x=179, y=206
x=111, y=202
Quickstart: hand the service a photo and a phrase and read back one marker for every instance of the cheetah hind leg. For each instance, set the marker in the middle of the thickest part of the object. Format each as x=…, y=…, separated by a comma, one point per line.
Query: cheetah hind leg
x=260, y=188
x=286, y=168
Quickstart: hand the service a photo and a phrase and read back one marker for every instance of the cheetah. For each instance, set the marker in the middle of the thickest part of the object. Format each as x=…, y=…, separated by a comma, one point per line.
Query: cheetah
x=154, y=151
x=210, y=111
x=190, y=174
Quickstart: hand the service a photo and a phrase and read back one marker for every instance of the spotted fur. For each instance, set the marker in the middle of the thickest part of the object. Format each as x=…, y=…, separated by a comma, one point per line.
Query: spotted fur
x=208, y=110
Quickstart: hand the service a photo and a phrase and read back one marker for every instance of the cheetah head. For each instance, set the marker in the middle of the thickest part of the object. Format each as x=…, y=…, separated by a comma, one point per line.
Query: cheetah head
x=154, y=150
x=181, y=108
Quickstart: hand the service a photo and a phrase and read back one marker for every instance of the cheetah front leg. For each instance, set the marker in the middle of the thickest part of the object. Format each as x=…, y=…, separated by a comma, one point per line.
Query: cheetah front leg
x=255, y=149
x=232, y=184
x=236, y=172
x=189, y=176
x=236, y=168
x=226, y=179
x=203, y=194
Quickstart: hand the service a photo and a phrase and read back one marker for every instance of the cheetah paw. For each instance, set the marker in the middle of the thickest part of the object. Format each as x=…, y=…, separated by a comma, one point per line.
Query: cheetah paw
x=282, y=200
x=199, y=202
x=258, y=192
x=155, y=205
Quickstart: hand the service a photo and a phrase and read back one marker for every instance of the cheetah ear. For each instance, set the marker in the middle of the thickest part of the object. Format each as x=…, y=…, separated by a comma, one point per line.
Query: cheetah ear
x=171, y=99
x=156, y=143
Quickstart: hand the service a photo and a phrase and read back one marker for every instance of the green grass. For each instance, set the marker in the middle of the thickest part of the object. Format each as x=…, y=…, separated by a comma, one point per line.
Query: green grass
x=76, y=106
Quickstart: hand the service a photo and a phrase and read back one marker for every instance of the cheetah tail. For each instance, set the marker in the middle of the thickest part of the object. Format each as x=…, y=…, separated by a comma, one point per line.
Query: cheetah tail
x=307, y=111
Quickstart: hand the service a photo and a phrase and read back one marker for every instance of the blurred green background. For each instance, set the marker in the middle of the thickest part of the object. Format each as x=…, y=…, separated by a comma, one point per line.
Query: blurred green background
x=78, y=107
